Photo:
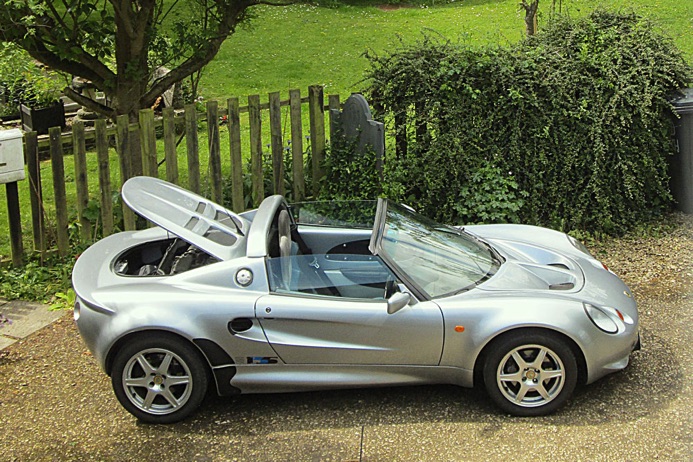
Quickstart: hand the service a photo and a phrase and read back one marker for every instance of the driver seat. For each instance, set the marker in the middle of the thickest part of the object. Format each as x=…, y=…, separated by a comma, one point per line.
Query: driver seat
x=284, y=240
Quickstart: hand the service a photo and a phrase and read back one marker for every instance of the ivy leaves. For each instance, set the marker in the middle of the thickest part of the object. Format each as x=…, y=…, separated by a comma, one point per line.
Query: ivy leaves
x=580, y=114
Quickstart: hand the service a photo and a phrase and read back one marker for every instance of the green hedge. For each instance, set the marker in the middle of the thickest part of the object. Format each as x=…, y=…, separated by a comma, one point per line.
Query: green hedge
x=571, y=128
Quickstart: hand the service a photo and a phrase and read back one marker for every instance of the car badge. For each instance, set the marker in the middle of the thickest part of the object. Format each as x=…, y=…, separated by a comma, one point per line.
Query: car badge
x=244, y=277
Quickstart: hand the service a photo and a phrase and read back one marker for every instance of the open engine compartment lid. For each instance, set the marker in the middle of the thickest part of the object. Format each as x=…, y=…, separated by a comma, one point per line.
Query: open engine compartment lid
x=191, y=217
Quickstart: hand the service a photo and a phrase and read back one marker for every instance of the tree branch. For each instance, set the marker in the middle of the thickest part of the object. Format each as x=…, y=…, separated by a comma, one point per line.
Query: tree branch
x=123, y=12
x=89, y=103
x=230, y=19
x=93, y=70
x=275, y=3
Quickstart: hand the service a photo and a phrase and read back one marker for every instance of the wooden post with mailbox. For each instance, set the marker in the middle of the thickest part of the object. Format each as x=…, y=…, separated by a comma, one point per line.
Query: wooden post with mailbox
x=11, y=171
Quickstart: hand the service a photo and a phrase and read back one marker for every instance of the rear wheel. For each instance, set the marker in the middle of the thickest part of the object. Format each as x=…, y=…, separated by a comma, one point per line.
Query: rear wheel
x=159, y=378
x=530, y=373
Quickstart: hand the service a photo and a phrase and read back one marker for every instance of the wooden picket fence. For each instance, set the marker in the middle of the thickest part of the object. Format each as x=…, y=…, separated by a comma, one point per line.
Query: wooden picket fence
x=137, y=155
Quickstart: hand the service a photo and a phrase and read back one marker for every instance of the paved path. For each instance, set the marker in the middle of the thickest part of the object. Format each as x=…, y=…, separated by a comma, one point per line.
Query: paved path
x=21, y=319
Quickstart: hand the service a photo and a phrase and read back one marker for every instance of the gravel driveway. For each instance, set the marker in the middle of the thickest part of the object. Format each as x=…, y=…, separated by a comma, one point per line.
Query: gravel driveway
x=56, y=404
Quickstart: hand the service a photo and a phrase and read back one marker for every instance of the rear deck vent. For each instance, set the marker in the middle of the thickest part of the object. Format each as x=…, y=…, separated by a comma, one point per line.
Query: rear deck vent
x=562, y=286
x=559, y=265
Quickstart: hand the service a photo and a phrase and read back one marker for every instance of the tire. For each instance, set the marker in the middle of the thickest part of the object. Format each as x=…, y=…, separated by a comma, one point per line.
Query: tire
x=530, y=373
x=159, y=378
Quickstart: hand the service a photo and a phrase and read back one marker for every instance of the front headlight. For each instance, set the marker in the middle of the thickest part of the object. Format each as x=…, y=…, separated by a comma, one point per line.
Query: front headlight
x=76, y=310
x=610, y=320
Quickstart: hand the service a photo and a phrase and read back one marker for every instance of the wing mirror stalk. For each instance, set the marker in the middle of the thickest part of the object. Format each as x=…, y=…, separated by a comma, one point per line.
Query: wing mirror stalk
x=398, y=301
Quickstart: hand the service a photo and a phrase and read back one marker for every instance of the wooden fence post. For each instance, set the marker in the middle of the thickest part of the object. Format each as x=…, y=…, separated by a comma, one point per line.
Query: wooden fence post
x=297, y=145
x=275, y=114
x=81, y=182
x=192, y=148
x=258, y=189
x=35, y=192
x=123, y=143
x=135, y=149
x=15, y=221
x=104, y=177
x=333, y=103
x=214, y=150
x=56, y=151
x=421, y=125
x=170, y=145
x=316, y=107
x=150, y=166
x=234, y=119
x=123, y=147
x=401, y=143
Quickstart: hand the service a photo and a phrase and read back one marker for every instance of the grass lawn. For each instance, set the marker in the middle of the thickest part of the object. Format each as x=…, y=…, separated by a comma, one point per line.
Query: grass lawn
x=301, y=45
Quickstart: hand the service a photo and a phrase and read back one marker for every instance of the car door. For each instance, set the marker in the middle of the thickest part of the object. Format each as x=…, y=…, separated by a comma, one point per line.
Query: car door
x=325, y=329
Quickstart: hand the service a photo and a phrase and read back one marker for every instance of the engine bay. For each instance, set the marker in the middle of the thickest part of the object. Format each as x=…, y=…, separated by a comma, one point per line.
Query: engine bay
x=161, y=258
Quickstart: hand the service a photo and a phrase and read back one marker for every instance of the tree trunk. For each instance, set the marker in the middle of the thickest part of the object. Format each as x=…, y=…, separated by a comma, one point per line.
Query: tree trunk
x=530, y=16
x=132, y=46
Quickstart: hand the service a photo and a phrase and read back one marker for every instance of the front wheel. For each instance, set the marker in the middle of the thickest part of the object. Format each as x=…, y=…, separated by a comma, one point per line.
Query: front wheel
x=530, y=373
x=159, y=379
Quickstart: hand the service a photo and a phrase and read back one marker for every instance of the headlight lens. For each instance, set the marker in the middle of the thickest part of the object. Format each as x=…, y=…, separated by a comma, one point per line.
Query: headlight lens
x=76, y=310
x=606, y=319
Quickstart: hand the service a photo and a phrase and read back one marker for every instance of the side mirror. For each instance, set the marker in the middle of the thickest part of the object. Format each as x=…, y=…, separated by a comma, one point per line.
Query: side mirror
x=398, y=301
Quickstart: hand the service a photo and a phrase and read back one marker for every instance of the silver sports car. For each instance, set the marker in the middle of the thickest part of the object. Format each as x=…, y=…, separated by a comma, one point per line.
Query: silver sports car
x=338, y=295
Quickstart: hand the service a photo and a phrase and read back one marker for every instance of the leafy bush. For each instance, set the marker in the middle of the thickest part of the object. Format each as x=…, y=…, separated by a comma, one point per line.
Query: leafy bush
x=580, y=114
x=22, y=80
x=38, y=281
x=490, y=196
x=350, y=175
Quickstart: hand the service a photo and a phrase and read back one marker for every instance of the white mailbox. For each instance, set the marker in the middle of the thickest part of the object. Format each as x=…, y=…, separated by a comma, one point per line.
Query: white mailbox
x=11, y=156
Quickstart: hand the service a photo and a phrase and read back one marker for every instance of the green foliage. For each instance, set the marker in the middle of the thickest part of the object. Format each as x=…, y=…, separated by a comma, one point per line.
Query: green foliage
x=22, y=80
x=350, y=175
x=490, y=197
x=37, y=281
x=580, y=114
x=64, y=300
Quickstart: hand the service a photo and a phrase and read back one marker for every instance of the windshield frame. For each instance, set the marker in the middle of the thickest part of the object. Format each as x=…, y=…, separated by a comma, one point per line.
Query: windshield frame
x=377, y=247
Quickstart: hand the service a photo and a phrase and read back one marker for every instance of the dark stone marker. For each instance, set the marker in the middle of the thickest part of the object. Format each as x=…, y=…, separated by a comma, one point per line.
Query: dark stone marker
x=355, y=122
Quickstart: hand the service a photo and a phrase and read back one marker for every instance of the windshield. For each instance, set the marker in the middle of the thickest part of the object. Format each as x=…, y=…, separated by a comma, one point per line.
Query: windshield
x=347, y=214
x=439, y=259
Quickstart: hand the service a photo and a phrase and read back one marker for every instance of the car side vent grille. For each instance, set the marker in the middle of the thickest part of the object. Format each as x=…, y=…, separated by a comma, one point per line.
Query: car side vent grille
x=559, y=265
x=562, y=286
